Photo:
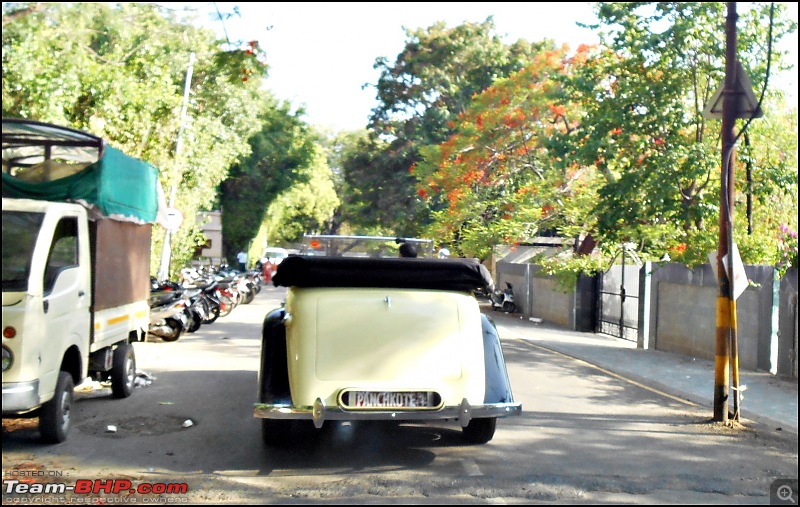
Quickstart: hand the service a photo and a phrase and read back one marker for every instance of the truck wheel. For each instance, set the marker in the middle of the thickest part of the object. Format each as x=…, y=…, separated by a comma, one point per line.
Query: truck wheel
x=123, y=371
x=54, y=417
x=275, y=432
x=480, y=431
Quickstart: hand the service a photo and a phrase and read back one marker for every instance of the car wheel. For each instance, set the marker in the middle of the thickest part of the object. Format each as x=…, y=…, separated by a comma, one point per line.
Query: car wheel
x=275, y=432
x=480, y=431
x=123, y=372
x=55, y=416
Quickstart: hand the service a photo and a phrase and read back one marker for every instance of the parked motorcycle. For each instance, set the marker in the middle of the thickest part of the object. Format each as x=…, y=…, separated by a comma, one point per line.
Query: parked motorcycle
x=504, y=299
x=247, y=283
x=227, y=290
x=213, y=305
x=197, y=307
x=246, y=288
x=167, y=317
x=203, y=301
x=228, y=298
x=218, y=293
x=193, y=312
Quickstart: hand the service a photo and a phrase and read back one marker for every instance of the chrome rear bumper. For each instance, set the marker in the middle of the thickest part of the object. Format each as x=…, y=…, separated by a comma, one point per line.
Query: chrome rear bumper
x=319, y=413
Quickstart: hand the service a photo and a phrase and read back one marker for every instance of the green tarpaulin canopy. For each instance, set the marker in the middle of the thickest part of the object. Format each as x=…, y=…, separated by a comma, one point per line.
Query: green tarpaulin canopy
x=46, y=162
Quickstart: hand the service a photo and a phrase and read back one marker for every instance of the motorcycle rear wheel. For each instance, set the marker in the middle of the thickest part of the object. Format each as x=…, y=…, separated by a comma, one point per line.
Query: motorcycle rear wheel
x=225, y=305
x=249, y=296
x=176, y=330
x=213, y=314
x=195, y=320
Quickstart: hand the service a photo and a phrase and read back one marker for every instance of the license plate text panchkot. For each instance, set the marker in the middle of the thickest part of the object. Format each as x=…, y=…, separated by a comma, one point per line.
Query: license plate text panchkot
x=383, y=399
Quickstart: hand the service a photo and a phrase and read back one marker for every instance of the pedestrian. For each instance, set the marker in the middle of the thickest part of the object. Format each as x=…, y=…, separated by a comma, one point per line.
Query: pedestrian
x=407, y=250
x=242, y=258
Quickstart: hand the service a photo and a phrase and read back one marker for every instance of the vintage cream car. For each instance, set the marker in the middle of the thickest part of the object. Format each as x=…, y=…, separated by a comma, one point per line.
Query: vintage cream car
x=400, y=339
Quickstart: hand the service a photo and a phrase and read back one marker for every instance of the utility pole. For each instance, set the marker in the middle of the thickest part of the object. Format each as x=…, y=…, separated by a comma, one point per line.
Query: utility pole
x=726, y=304
x=166, y=250
x=733, y=100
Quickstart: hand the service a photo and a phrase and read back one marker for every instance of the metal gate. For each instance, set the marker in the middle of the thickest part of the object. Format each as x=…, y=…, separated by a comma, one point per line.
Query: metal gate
x=618, y=297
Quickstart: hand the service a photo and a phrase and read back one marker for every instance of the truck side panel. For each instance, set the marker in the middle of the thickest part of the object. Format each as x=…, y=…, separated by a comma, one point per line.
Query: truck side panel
x=121, y=271
x=114, y=325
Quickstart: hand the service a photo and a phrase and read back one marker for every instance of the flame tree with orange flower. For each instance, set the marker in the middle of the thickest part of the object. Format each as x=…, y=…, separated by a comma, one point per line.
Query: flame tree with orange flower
x=504, y=176
x=612, y=143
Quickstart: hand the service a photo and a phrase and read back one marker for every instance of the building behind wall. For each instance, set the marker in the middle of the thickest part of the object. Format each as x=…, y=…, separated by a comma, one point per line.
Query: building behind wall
x=212, y=229
x=524, y=252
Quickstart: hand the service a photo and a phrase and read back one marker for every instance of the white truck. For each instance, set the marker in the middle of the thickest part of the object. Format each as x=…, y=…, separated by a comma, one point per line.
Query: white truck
x=77, y=220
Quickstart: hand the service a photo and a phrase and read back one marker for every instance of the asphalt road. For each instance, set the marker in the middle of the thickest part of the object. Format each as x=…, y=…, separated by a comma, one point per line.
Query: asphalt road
x=585, y=436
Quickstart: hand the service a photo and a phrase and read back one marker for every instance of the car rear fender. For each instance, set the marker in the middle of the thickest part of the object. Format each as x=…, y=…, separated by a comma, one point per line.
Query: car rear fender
x=273, y=374
x=498, y=387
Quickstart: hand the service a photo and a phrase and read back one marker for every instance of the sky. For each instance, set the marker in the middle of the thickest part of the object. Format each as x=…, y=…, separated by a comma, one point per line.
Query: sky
x=320, y=54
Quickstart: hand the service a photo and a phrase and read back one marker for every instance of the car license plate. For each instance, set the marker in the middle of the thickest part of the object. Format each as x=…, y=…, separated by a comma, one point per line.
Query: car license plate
x=389, y=399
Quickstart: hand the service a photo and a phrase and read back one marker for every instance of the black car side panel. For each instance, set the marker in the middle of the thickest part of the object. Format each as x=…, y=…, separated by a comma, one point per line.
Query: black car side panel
x=273, y=374
x=498, y=387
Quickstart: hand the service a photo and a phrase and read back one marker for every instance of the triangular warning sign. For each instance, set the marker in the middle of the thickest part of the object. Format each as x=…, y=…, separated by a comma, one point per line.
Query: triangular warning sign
x=748, y=105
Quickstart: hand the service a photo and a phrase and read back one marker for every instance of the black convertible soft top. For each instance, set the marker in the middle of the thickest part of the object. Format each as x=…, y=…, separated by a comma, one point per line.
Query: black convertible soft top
x=462, y=275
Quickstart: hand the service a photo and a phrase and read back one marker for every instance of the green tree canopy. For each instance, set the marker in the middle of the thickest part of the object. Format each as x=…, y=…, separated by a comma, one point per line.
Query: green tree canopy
x=307, y=206
x=643, y=127
x=502, y=177
x=118, y=71
x=611, y=143
x=280, y=154
x=430, y=83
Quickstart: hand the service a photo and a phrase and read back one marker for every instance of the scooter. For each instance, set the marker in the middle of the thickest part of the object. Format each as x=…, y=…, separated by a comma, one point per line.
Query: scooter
x=193, y=313
x=167, y=317
x=504, y=299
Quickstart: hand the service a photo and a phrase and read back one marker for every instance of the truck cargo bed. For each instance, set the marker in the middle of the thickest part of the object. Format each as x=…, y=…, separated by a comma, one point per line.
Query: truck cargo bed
x=121, y=270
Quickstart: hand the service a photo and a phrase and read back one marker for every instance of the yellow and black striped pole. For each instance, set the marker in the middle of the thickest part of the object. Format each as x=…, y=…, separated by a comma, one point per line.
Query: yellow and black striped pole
x=721, y=364
x=737, y=393
x=726, y=316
